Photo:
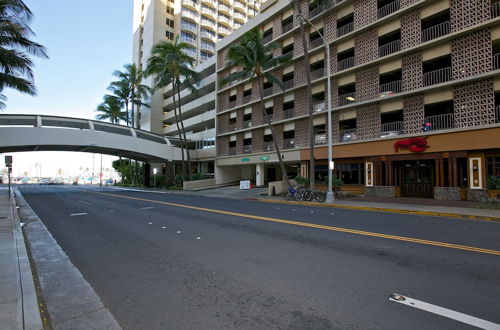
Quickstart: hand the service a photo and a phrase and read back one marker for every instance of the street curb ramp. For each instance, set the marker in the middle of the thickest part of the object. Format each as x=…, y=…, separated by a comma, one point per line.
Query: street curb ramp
x=70, y=300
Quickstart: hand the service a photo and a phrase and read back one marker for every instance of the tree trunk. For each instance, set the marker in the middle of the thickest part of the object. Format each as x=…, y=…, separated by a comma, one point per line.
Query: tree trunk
x=275, y=143
x=183, y=165
x=188, y=157
x=132, y=115
x=126, y=112
x=307, y=66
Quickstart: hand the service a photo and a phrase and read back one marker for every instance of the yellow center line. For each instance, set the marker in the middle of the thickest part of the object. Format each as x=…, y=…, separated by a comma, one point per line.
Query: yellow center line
x=317, y=226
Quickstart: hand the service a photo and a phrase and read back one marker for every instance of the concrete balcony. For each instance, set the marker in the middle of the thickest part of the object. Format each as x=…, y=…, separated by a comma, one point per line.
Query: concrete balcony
x=345, y=29
x=440, y=122
x=190, y=28
x=190, y=41
x=437, y=76
x=239, y=5
x=208, y=24
x=225, y=9
x=389, y=48
x=436, y=31
x=189, y=123
x=392, y=129
x=317, y=74
x=316, y=43
x=345, y=64
x=289, y=143
x=389, y=9
x=207, y=47
x=207, y=36
x=390, y=88
x=239, y=16
x=348, y=135
x=268, y=146
x=347, y=98
x=288, y=113
x=189, y=4
x=192, y=15
x=209, y=12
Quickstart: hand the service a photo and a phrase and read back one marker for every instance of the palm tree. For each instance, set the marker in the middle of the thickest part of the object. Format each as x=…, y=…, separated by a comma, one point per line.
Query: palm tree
x=254, y=59
x=170, y=65
x=16, y=48
x=299, y=15
x=121, y=89
x=131, y=80
x=111, y=109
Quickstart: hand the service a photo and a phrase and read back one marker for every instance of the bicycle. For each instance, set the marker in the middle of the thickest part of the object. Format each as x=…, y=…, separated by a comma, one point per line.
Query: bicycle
x=295, y=193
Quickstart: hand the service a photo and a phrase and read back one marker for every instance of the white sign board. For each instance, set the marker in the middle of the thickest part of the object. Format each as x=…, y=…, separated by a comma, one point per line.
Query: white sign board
x=245, y=185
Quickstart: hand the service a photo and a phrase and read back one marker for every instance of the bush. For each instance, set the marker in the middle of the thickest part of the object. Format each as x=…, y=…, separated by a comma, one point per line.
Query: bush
x=301, y=181
x=336, y=182
x=494, y=183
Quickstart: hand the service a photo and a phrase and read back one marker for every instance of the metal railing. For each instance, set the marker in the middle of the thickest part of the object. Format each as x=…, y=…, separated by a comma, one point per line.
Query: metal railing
x=319, y=106
x=238, y=15
x=224, y=7
x=440, y=122
x=239, y=5
x=222, y=29
x=315, y=43
x=232, y=151
x=208, y=11
x=267, y=91
x=189, y=52
x=390, y=88
x=316, y=11
x=288, y=54
x=495, y=9
x=389, y=9
x=231, y=104
x=345, y=29
x=286, y=28
x=392, y=129
x=205, y=34
x=317, y=74
x=246, y=124
x=389, y=48
x=189, y=27
x=288, y=113
x=247, y=99
x=267, y=118
x=347, y=98
x=190, y=14
x=497, y=114
x=224, y=19
x=436, y=31
x=191, y=41
x=206, y=22
x=247, y=149
x=288, y=84
x=189, y=3
x=207, y=46
x=496, y=61
x=268, y=146
x=348, y=135
x=437, y=76
x=345, y=63
x=267, y=38
x=320, y=139
x=289, y=143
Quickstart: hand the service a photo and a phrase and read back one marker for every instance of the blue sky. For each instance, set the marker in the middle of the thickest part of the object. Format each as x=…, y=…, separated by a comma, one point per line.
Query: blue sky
x=87, y=40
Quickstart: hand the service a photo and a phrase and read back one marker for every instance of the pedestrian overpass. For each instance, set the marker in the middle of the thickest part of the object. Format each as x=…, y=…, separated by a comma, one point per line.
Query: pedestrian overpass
x=51, y=133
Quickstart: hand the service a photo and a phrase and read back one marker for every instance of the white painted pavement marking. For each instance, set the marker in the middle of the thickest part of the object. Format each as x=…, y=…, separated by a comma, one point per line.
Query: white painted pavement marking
x=77, y=214
x=461, y=317
x=147, y=208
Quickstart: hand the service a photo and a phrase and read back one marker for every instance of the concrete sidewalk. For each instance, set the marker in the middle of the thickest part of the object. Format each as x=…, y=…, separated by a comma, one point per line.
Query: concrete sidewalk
x=421, y=206
x=18, y=301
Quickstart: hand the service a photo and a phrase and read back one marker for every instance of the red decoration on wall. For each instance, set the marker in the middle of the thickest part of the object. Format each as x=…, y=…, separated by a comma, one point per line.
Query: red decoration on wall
x=415, y=144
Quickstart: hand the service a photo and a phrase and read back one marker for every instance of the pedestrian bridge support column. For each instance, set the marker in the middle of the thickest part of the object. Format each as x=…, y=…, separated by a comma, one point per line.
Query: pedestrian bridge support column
x=147, y=174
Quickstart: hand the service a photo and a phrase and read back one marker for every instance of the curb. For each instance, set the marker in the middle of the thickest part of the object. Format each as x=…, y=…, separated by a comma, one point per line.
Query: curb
x=28, y=310
x=70, y=300
x=381, y=209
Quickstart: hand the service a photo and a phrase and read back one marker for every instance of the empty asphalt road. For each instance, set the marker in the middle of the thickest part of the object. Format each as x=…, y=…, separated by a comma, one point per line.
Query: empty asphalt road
x=178, y=261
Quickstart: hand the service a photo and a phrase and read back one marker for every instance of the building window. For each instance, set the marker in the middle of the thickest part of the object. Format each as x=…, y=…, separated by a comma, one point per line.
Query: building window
x=350, y=173
x=169, y=35
x=170, y=10
x=493, y=166
x=170, y=23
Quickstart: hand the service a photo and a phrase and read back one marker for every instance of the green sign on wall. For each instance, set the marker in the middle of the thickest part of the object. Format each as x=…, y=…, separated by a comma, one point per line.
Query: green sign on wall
x=245, y=160
x=264, y=157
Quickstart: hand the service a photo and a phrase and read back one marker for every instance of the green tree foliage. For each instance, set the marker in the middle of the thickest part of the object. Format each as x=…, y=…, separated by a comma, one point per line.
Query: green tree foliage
x=16, y=49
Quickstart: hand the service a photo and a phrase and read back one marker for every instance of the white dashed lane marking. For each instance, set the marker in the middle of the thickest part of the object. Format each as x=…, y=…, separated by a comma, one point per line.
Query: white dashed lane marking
x=451, y=314
x=77, y=214
x=147, y=208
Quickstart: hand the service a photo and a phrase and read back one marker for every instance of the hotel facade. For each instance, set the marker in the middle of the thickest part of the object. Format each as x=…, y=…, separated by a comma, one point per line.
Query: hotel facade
x=415, y=94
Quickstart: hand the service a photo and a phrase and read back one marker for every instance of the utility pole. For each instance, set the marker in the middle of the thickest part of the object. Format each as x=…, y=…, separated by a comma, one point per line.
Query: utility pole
x=100, y=174
x=92, y=178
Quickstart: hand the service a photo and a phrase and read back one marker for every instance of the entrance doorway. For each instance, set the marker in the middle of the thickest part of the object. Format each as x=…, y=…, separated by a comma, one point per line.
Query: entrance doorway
x=417, y=178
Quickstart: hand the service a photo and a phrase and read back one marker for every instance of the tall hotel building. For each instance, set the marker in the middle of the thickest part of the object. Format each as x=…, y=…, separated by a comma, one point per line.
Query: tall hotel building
x=201, y=24
x=415, y=94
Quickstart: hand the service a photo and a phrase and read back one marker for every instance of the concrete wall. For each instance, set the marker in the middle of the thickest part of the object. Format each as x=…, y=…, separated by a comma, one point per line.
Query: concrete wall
x=380, y=191
x=447, y=193
x=197, y=184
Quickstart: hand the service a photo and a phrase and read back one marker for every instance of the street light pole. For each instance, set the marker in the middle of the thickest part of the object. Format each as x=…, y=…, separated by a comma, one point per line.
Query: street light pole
x=330, y=197
x=100, y=174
